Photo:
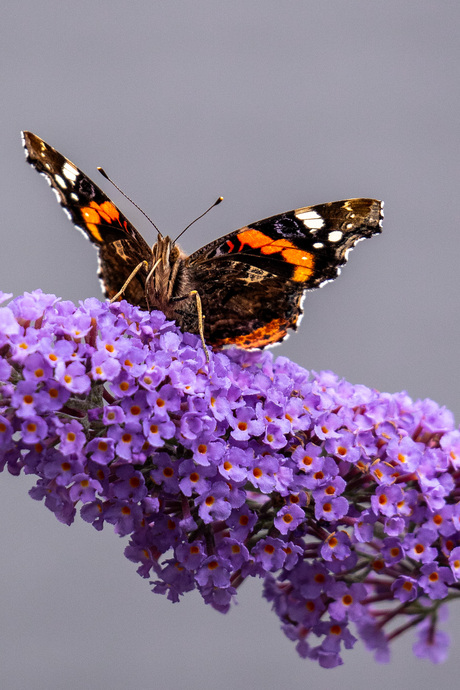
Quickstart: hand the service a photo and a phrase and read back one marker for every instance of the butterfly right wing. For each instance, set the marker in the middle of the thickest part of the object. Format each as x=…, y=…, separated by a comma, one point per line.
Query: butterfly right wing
x=119, y=245
x=252, y=281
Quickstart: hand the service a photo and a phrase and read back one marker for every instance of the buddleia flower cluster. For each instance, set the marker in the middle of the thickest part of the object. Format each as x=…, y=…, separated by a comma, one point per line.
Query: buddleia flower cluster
x=341, y=498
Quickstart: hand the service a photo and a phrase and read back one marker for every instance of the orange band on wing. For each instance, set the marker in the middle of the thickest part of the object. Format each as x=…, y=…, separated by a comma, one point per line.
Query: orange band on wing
x=92, y=220
x=253, y=238
x=95, y=213
x=303, y=261
x=273, y=332
x=277, y=246
x=106, y=210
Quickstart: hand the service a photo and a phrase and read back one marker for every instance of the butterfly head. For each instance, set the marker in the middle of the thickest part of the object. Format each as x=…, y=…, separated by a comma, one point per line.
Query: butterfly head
x=164, y=267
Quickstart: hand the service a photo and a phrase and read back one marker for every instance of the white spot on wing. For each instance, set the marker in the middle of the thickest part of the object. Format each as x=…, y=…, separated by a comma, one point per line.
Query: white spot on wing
x=61, y=182
x=311, y=219
x=318, y=245
x=69, y=171
x=335, y=236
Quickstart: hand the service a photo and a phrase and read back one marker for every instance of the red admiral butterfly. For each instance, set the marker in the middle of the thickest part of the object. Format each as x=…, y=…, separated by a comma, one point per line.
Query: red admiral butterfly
x=251, y=282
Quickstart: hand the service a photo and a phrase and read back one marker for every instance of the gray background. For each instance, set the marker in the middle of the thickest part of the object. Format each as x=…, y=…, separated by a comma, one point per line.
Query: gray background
x=274, y=105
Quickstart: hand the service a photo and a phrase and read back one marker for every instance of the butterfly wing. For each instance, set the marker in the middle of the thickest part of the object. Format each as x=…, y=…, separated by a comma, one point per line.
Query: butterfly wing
x=252, y=281
x=120, y=246
x=245, y=305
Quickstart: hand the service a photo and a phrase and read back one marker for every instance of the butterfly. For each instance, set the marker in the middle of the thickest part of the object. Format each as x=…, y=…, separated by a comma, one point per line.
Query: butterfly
x=245, y=288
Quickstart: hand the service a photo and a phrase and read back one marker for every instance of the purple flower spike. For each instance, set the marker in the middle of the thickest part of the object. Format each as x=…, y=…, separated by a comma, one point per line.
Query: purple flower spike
x=339, y=496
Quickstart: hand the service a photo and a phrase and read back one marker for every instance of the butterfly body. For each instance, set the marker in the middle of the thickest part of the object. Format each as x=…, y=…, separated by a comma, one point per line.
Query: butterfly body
x=251, y=282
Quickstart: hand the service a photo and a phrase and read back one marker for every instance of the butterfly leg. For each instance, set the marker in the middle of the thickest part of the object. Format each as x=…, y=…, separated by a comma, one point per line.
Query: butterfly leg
x=199, y=309
x=129, y=279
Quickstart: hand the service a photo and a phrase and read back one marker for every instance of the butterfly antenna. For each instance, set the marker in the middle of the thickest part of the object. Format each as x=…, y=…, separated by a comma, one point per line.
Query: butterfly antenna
x=221, y=198
x=104, y=174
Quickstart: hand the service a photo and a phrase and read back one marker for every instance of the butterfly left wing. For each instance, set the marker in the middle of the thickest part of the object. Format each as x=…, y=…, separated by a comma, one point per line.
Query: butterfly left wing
x=252, y=281
x=120, y=246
